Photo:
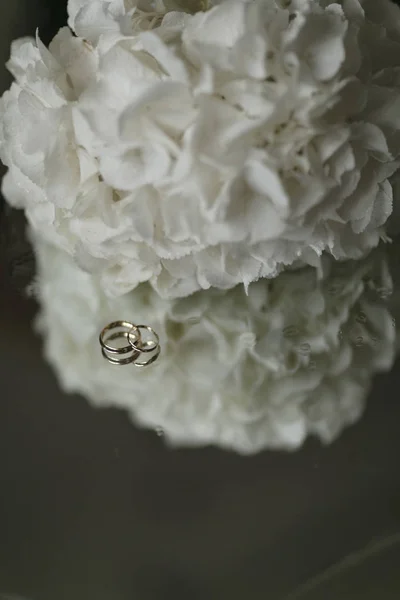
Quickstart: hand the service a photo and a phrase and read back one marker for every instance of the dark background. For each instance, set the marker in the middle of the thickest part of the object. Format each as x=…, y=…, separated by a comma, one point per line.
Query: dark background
x=93, y=509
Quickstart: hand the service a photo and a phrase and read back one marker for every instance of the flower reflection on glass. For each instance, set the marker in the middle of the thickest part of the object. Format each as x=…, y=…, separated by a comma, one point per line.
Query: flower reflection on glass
x=210, y=149
x=226, y=176
x=230, y=374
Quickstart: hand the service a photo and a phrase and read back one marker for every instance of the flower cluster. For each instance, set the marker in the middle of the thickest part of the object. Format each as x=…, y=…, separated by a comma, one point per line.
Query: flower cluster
x=293, y=357
x=206, y=150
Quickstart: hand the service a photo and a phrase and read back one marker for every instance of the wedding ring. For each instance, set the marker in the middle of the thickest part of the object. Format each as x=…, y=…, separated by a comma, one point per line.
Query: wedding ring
x=137, y=346
x=150, y=361
x=144, y=347
x=124, y=325
x=119, y=361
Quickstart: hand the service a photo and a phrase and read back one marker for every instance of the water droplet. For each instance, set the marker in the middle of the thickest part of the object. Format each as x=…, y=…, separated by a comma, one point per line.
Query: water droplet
x=394, y=322
x=361, y=317
x=340, y=334
x=305, y=348
x=290, y=331
x=359, y=341
x=384, y=292
x=159, y=431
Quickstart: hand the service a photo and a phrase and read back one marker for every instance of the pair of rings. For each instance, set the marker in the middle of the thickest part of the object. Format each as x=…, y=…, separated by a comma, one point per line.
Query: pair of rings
x=137, y=347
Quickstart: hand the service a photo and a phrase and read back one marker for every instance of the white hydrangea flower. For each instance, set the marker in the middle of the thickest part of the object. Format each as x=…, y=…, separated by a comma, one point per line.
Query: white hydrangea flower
x=293, y=357
x=209, y=149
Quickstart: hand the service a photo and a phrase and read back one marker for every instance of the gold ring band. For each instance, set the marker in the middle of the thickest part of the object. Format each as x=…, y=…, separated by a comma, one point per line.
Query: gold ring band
x=149, y=346
x=136, y=347
x=150, y=361
x=119, y=361
x=118, y=325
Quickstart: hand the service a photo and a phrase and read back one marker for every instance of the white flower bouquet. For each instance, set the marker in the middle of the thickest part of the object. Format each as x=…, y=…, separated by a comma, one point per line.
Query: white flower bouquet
x=214, y=170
